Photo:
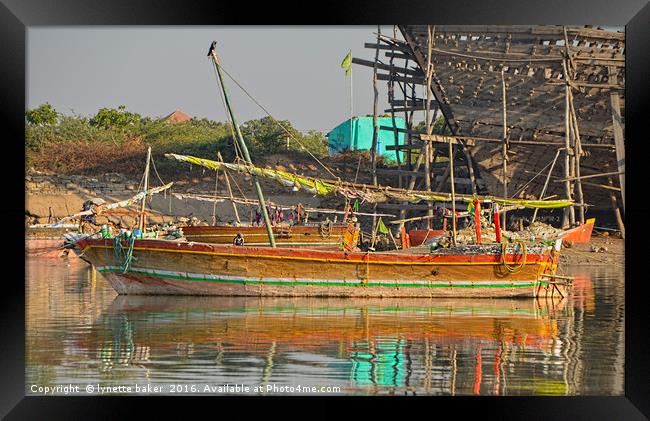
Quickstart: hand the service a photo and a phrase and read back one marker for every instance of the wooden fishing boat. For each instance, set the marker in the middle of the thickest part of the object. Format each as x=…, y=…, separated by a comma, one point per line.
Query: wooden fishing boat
x=187, y=268
x=162, y=267
x=313, y=235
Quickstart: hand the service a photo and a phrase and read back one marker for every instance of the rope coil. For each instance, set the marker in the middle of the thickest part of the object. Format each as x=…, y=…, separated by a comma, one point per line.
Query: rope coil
x=325, y=229
x=516, y=267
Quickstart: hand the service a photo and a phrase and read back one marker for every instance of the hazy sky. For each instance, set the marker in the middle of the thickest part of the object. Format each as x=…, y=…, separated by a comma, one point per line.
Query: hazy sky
x=293, y=71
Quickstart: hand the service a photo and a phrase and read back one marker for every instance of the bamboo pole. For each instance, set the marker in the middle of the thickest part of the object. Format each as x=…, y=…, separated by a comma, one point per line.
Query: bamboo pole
x=141, y=226
x=453, y=194
x=569, y=213
x=605, y=174
x=548, y=177
x=504, y=150
x=216, y=191
x=568, y=67
x=375, y=131
x=225, y=173
x=427, y=117
x=617, y=212
x=391, y=93
x=244, y=148
x=577, y=152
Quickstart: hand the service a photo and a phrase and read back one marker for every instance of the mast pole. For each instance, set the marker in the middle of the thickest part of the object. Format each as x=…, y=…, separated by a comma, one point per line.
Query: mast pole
x=146, y=187
x=242, y=145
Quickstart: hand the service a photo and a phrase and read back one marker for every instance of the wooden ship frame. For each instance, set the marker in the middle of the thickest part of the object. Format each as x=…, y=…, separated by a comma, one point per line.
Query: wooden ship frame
x=516, y=101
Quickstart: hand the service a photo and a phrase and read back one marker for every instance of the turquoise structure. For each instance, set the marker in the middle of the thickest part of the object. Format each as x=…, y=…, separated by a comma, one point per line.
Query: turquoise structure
x=356, y=135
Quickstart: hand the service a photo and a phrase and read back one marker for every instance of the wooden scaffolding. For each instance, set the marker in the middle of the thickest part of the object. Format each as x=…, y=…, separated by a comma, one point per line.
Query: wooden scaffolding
x=511, y=98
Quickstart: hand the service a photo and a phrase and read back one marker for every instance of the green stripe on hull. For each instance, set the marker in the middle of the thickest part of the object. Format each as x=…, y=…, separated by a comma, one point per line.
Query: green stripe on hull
x=340, y=284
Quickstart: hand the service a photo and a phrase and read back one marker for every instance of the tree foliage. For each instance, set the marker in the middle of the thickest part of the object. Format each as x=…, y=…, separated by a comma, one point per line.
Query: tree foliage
x=114, y=118
x=44, y=115
x=439, y=127
x=124, y=133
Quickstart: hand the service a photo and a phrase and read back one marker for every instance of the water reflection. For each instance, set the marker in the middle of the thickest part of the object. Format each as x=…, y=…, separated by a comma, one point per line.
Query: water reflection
x=80, y=332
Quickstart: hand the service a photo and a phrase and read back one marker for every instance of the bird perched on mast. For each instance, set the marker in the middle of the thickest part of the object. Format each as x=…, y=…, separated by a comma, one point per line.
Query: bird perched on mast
x=212, y=47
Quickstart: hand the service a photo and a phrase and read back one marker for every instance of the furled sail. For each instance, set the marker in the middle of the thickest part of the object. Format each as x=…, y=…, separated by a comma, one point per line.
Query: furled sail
x=122, y=204
x=364, y=192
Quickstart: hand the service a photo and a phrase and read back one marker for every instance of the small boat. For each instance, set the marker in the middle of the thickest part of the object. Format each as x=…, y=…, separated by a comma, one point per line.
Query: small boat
x=580, y=234
x=160, y=267
x=322, y=234
x=48, y=241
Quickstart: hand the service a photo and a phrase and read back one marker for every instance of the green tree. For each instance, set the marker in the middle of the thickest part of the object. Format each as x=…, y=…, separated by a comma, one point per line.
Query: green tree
x=439, y=127
x=45, y=115
x=314, y=141
x=266, y=136
x=114, y=118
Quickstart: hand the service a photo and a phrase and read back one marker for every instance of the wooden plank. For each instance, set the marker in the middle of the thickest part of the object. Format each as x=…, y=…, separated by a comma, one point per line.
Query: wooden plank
x=404, y=79
x=387, y=67
x=385, y=47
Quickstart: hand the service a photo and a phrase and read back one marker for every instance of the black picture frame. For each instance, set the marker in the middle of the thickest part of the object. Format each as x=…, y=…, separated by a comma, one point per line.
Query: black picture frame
x=17, y=15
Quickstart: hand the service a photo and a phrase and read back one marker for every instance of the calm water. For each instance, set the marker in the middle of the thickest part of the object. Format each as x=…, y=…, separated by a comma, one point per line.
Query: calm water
x=80, y=333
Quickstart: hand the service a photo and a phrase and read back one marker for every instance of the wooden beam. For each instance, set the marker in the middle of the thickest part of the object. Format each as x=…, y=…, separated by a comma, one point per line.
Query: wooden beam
x=385, y=47
x=405, y=79
x=438, y=138
x=591, y=176
x=369, y=63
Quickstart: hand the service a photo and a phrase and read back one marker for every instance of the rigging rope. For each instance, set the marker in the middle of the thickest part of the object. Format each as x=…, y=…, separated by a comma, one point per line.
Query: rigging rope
x=231, y=126
x=281, y=126
x=123, y=258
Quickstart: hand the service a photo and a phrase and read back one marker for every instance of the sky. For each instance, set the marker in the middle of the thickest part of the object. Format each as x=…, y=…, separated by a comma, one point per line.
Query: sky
x=294, y=72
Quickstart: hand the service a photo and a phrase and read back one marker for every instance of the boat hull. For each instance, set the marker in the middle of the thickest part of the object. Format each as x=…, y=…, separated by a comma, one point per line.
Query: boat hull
x=418, y=237
x=175, y=268
x=47, y=247
x=580, y=234
x=257, y=236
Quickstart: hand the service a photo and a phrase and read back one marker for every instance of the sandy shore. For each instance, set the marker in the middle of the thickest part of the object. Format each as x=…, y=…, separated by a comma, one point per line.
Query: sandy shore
x=601, y=251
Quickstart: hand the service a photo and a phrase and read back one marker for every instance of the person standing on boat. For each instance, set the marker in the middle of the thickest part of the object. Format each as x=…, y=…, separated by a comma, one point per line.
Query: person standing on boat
x=258, y=217
x=239, y=239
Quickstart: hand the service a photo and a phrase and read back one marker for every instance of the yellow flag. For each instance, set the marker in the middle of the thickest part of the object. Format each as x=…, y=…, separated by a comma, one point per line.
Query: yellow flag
x=347, y=63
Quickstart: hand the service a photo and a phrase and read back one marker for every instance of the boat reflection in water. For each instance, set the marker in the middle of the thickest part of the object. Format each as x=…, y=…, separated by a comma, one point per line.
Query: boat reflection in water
x=78, y=332
x=432, y=346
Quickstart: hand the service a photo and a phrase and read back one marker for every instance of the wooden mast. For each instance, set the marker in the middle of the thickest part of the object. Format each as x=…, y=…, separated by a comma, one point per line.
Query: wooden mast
x=242, y=145
x=146, y=187
x=504, y=151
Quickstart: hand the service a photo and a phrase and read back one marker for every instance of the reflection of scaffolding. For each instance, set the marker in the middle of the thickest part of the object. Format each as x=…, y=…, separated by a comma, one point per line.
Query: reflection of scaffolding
x=504, y=96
